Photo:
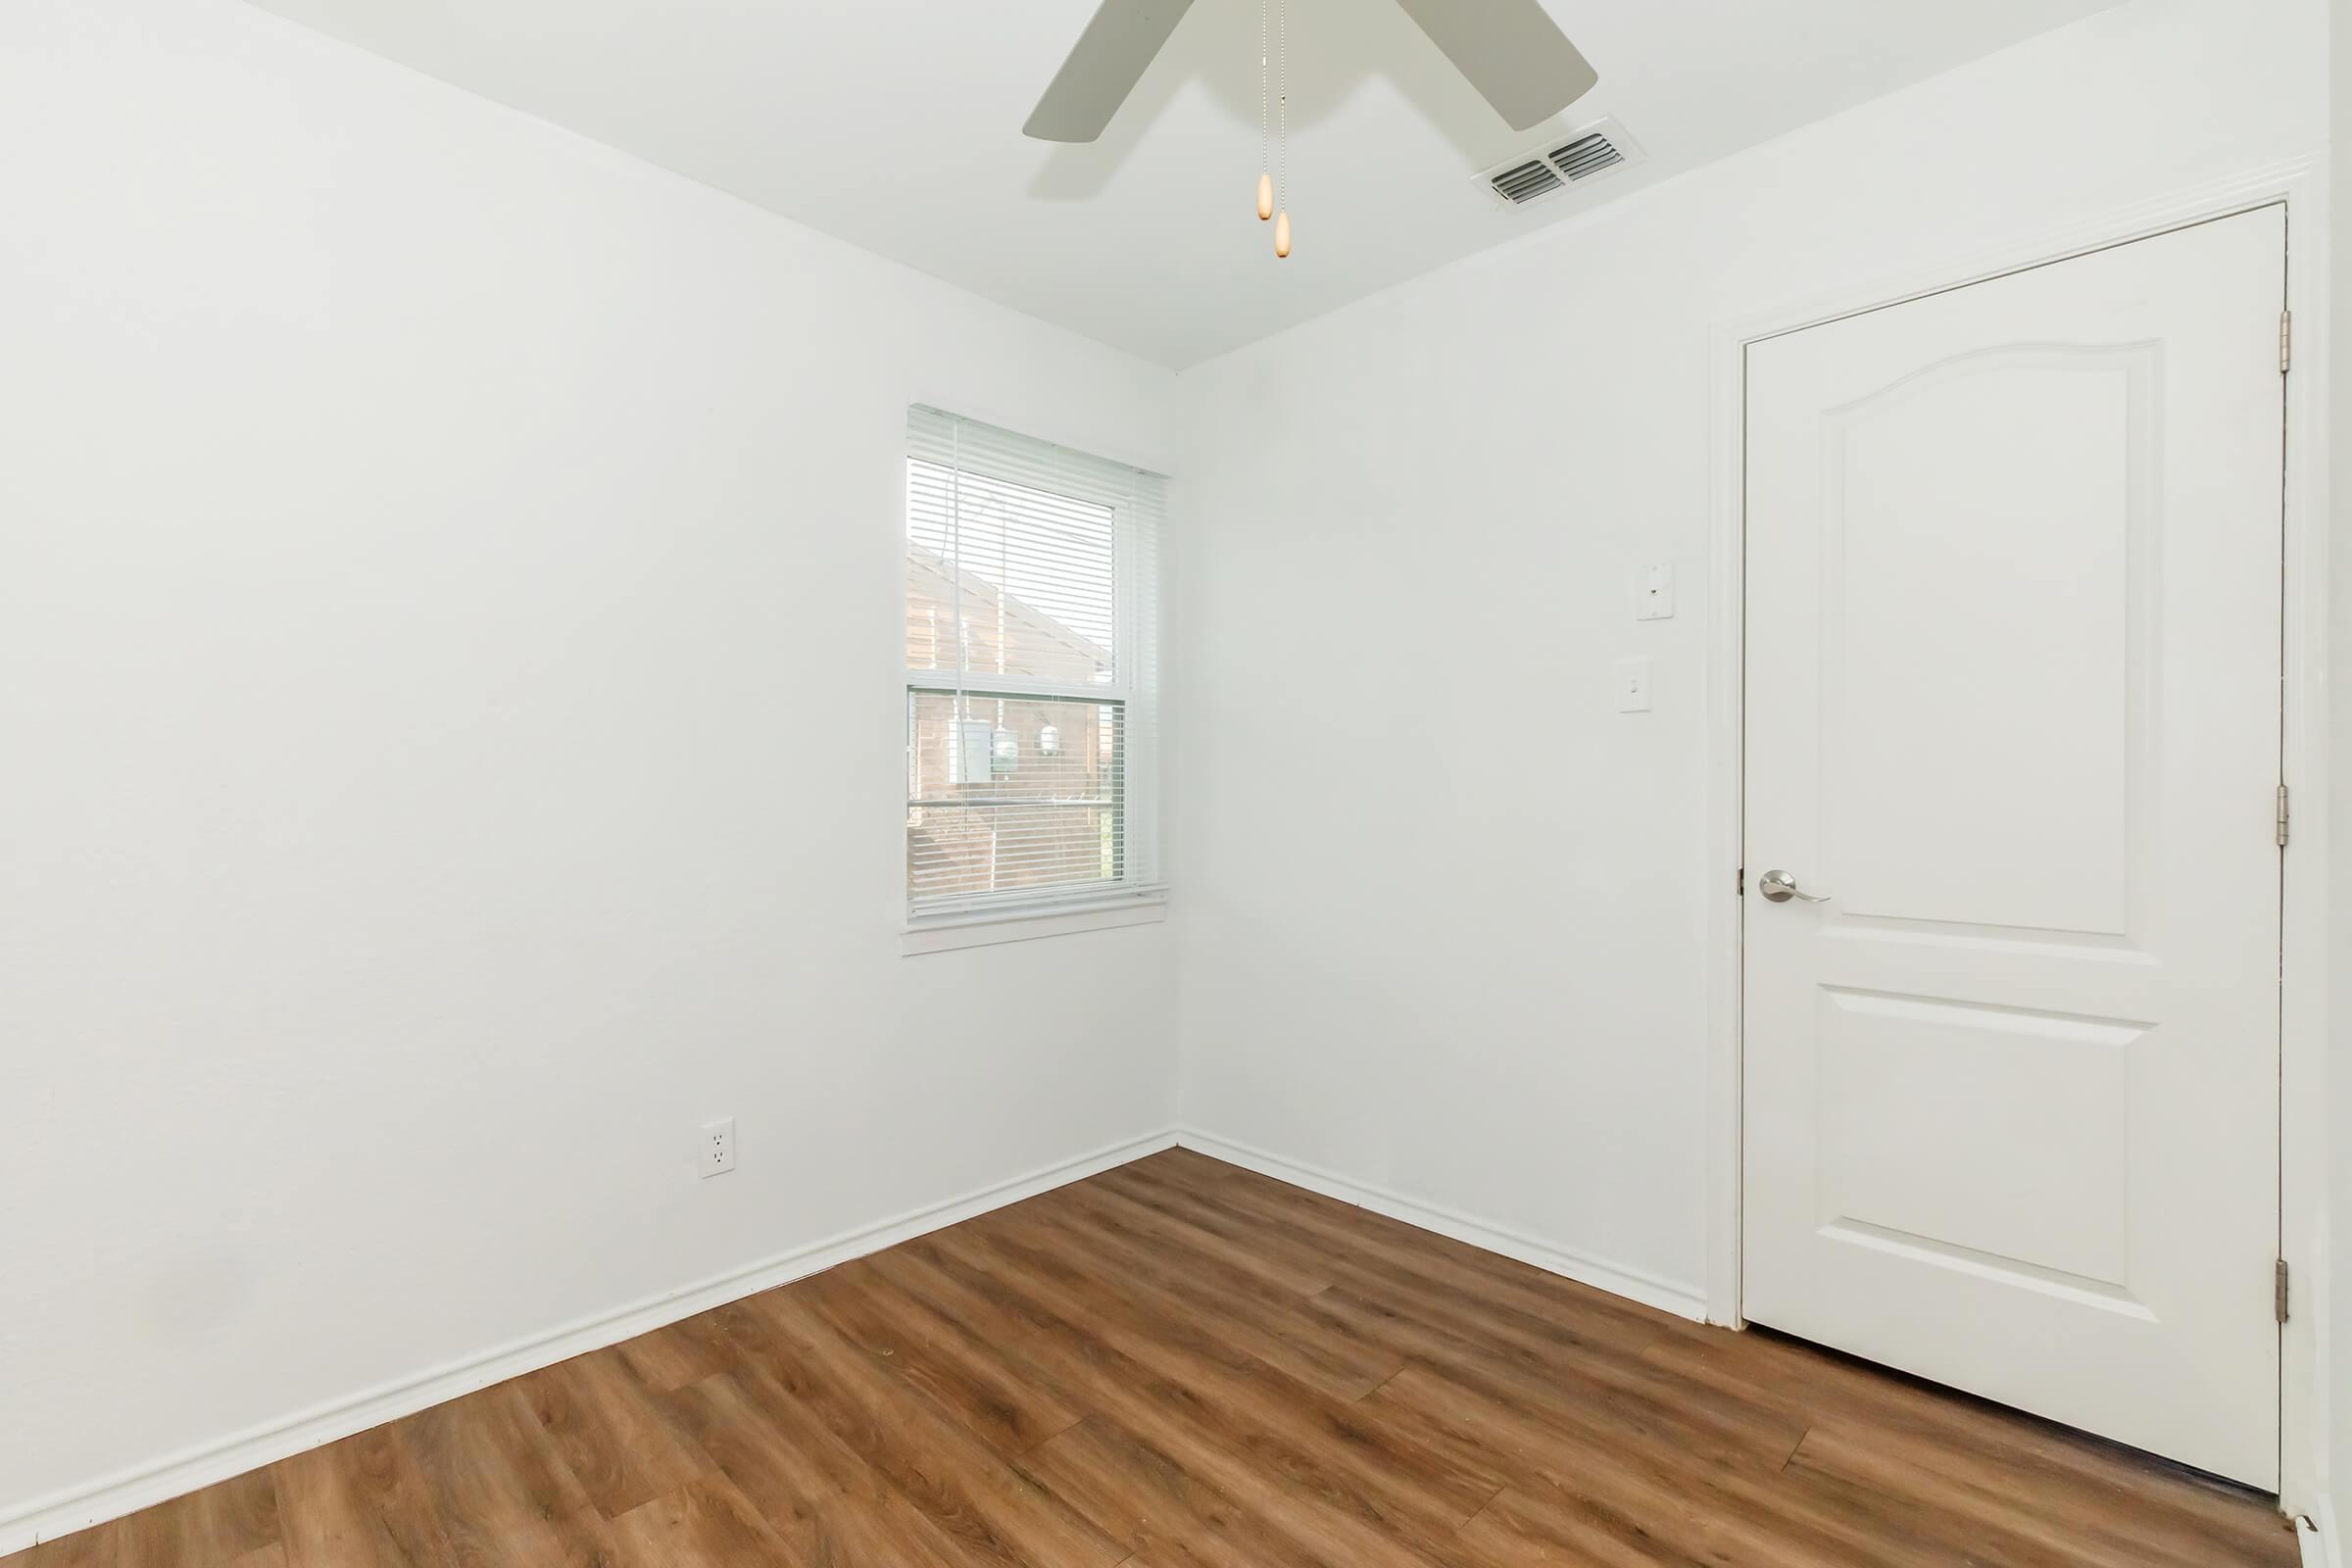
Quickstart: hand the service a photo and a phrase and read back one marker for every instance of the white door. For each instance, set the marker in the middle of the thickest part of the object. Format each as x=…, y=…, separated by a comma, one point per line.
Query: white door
x=2011, y=1094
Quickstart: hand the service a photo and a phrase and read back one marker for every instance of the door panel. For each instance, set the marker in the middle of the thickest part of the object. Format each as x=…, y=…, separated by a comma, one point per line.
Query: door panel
x=2013, y=609
x=1924, y=560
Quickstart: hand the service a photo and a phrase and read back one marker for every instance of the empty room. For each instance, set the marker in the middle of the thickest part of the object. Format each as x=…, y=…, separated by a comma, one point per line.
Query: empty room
x=1174, y=784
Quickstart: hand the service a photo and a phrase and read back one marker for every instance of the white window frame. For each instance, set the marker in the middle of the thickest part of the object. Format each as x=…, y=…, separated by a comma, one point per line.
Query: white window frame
x=1138, y=895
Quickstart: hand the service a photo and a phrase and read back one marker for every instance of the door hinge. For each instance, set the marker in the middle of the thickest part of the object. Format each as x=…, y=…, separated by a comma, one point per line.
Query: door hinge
x=1739, y=883
x=2283, y=816
x=2280, y=1281
x=2286, y=341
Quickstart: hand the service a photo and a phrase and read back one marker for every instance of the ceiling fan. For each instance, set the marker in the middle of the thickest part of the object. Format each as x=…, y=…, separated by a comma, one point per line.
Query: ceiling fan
x=1510, y=50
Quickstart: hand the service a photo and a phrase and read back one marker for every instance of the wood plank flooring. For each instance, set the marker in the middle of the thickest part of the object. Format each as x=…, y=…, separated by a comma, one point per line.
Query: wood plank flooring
x=1179, y=1364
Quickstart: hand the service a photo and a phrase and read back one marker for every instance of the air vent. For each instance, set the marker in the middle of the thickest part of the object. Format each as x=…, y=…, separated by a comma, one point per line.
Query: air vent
x=1525, y=182
x=1584, y=155
x=1587, y=156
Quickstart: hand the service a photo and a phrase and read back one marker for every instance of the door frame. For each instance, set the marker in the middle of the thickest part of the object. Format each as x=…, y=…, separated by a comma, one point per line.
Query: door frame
x=2301, y=186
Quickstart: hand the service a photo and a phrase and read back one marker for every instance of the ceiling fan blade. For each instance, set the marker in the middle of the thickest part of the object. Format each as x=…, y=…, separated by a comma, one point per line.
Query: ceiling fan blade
x=1512, y=52
x=1102, y=70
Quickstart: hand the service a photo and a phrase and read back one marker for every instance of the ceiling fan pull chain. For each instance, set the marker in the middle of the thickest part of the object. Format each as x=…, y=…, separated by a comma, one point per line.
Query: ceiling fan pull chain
x=1282, y=40
x=1265, y=151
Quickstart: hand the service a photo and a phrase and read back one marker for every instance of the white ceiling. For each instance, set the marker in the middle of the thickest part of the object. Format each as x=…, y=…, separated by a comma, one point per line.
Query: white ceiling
x=895, y=124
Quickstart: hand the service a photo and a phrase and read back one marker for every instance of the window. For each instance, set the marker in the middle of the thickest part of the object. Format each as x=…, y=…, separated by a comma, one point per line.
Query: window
x=1031, y=679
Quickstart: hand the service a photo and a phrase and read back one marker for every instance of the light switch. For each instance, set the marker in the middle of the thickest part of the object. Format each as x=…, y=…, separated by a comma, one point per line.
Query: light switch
x=1654, y=593
x=1632, y=685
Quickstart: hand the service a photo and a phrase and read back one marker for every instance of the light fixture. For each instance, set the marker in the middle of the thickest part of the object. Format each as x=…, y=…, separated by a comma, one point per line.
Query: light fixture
x=1048, y=742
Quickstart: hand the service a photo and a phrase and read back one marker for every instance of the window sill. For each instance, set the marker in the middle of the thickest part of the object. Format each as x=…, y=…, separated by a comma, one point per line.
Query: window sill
x=946, y=933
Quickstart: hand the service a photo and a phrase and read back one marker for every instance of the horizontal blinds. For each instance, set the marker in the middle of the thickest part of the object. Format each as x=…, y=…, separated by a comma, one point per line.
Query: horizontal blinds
x=1032, y=659
x=1014, y=547
x=1006, y=581
x=1012, y=798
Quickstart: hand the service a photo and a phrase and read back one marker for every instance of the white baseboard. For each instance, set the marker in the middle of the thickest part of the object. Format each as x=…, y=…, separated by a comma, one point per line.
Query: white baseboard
x=2322, y=1547
x=1618, y=1279
x=129, y=1490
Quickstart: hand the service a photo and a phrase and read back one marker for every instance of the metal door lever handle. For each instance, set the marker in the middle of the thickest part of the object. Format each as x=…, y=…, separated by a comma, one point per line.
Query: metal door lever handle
x=1779, y=887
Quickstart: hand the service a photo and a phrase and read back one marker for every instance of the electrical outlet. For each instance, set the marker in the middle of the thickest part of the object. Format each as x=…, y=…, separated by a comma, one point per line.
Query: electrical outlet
x=714, y=1152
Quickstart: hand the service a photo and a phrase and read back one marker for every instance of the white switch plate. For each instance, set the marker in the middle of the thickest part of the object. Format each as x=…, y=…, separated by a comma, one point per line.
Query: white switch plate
x=1654, y=593
x=1632, y=685
x=714, y=1152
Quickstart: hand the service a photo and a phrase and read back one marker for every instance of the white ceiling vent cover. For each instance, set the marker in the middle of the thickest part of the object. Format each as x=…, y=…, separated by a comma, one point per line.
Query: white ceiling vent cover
x=1576, y=158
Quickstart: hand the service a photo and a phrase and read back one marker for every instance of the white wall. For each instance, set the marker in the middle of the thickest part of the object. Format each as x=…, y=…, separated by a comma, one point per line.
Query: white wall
x=447, y=650
x=1445, y=909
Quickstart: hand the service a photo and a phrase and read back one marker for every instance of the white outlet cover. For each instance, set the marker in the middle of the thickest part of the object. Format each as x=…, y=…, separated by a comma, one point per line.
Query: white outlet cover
x=714, y=1147
x=1654, y=593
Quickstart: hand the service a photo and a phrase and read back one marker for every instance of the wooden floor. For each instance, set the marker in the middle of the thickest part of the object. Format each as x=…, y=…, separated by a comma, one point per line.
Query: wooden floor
x=1181, y=1363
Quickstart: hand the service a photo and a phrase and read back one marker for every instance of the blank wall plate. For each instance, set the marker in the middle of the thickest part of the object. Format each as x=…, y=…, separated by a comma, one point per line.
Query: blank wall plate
x=1654, y=593
x=714, y=1150
x=1632, y=685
